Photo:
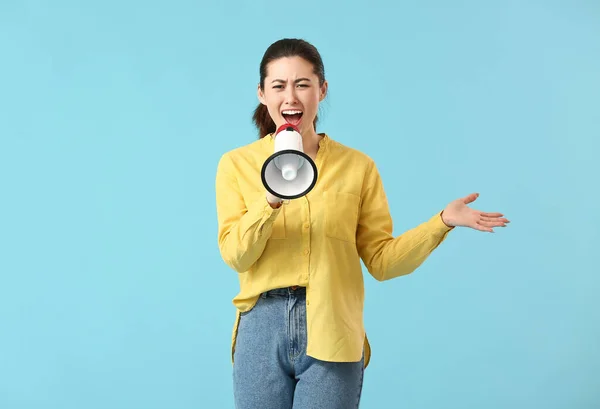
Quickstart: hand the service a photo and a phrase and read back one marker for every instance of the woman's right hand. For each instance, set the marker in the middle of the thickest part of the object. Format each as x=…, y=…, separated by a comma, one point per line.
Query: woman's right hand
x=273, y=200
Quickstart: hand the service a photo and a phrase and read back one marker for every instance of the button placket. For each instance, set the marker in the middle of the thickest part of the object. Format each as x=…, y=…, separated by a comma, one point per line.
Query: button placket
x=306, y=235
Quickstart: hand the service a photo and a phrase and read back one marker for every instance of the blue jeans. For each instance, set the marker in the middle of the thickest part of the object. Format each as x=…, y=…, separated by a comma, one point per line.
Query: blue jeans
x=271, y=369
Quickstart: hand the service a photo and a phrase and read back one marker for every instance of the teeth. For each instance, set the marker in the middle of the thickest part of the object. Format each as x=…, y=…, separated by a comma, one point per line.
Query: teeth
x=291, y=112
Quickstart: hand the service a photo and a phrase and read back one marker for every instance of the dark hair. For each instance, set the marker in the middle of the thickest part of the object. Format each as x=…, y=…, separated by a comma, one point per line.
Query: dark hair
x=287, y=47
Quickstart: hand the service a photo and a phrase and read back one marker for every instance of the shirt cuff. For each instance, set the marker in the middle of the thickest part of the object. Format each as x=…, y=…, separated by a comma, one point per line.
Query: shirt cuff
x=438, y=225
x=269, y=212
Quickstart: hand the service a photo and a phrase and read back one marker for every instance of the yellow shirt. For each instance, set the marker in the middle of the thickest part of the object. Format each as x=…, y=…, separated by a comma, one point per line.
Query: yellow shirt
x=316, y=241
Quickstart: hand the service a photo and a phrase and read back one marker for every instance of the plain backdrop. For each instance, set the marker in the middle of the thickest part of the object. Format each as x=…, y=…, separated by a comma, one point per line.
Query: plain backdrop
x=114, y=114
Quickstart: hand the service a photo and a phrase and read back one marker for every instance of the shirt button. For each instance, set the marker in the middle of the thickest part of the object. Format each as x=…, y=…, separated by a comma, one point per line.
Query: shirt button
x=305, y=252
x=307, y=302
x=306, y=225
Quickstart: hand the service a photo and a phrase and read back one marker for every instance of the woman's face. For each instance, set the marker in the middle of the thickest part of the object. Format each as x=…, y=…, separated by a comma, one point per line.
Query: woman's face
x=292, y=93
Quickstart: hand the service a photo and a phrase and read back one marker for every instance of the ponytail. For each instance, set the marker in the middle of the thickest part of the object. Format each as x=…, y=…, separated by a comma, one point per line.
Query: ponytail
x=263, y=121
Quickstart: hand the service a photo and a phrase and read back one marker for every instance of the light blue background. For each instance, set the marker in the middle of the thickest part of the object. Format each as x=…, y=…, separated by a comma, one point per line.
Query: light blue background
x=113, y=115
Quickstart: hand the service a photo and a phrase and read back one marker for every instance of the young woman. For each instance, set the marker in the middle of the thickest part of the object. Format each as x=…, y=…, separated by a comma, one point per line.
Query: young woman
x=298, y=337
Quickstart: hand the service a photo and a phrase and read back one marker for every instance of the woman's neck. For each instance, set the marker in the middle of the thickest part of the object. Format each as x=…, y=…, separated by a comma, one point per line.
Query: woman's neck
x=310, y=142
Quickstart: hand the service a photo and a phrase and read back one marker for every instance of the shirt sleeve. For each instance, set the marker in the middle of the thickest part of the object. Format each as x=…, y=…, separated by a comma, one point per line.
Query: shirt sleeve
x=386, y=256
x=243, y=230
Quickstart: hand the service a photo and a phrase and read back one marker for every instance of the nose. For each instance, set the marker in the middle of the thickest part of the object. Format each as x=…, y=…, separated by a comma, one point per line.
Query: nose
x=290, y=95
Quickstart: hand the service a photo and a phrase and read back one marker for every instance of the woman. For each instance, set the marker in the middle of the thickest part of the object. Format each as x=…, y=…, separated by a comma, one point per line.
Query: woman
x=298, y=338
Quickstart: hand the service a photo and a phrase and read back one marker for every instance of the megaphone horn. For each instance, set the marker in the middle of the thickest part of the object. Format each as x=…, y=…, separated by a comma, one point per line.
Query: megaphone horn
x=289, y=173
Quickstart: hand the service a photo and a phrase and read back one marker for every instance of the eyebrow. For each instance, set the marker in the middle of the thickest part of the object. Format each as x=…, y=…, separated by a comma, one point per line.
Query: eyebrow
x=297, y=81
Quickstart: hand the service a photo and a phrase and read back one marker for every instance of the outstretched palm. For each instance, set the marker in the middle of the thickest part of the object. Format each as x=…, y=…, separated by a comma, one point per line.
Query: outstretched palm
x=457, y=213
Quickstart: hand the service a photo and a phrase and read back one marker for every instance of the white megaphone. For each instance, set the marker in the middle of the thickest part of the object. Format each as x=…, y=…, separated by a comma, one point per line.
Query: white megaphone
x=289, y=173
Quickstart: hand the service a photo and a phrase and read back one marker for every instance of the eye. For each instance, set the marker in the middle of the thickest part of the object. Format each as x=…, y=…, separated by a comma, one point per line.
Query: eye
x=303, y=85
x=277, y=86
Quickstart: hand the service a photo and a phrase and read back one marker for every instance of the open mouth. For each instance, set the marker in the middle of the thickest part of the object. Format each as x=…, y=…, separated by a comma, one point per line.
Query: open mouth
x=292, y=116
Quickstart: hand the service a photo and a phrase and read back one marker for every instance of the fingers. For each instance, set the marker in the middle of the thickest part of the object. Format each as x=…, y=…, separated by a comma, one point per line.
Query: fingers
x=494, y=219
x=481, y=227
x=470, y=198
x=491, y=223
x=484, y=214
x=491, y=220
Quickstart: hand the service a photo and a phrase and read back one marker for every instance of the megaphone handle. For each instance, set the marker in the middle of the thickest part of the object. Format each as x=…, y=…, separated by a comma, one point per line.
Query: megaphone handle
x=273, y=200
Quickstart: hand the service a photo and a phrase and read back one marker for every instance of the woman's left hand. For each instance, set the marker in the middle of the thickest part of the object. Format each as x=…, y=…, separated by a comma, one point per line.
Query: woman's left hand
x=457, y=213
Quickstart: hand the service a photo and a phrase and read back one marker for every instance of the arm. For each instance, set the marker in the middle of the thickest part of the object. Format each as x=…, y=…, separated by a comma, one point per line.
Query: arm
x=242, y=231
x=386, y=256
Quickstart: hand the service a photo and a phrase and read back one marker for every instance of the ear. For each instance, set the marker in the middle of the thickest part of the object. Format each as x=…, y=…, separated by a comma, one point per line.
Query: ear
x=261, y=95
x=323, y=90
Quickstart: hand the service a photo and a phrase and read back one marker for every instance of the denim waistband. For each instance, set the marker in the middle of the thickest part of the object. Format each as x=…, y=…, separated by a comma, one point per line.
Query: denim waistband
x=286, y=291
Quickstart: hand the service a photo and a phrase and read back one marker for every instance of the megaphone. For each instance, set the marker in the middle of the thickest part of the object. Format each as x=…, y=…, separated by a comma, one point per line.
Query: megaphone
x=289, y=173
